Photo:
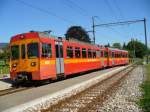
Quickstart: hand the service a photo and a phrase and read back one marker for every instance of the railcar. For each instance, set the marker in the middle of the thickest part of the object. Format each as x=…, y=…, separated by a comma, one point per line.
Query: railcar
x=39, y=56
x=117, y=57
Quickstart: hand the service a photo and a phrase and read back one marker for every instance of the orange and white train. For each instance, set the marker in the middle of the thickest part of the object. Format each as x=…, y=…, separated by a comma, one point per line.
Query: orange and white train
x=37, y=56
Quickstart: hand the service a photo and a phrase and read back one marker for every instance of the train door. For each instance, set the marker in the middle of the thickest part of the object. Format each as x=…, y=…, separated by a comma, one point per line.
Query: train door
x=106, y=55
x=113, y=58
x=99, y=55
x=102, y=58
x=59, y=58
x=23, y=61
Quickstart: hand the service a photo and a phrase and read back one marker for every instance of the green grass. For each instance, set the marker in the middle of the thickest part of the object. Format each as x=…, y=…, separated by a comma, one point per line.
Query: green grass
x=4, y=70
x=145, y=100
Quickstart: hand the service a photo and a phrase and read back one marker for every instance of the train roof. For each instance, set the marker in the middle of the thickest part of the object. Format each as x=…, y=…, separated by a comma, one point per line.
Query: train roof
x=46, y=34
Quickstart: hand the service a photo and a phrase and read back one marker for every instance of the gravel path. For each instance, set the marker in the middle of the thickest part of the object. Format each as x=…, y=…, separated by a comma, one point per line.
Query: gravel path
x=128, y=92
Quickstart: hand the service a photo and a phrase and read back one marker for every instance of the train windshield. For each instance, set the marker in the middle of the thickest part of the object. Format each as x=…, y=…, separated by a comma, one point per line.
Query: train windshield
x=33, y=50
x=15, y=52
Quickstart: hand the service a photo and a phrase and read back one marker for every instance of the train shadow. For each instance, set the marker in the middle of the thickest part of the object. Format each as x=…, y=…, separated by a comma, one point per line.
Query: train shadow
x=6, y=80
x=49, y=81
x=76, y=75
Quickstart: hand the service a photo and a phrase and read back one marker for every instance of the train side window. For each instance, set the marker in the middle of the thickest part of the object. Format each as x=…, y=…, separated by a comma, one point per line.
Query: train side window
x=105, y=54
x=83, y=52
x=102, y=54
x=33, y=50
x=89, y=53
x=15, y=52
x=23, y=51
x=69, y=52
x=57, y=51
x=98, y=53
x=116, y=55
x=113, y=54
x=77, y=52
x=94, y=54
x=110, y=54
x=61, y=51
x=46, y=50
x=123, y=55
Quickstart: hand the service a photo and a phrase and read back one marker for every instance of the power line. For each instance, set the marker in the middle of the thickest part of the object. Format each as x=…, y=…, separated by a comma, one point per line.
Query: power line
x=45, y=11
x=127, y=23
x=110, y=8
x=118, y=8
x=80, y=8
x=77, y=8
x=120, y=23
x=71, y=6
x=110, y=27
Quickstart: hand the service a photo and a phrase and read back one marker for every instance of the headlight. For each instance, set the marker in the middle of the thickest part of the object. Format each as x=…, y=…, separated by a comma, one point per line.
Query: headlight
x=14, y=65
x=33, y=63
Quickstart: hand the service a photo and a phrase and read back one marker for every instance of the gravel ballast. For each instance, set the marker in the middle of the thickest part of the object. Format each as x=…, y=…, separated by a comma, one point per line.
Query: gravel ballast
x=53, y=98
x=127, y=94
x=117, y=94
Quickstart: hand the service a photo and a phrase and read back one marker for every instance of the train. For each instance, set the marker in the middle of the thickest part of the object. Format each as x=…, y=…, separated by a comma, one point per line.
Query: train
x=37, y=56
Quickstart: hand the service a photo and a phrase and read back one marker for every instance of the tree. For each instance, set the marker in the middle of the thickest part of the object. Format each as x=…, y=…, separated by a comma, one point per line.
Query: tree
x=108, y=45
x=136, y=48
x=79, y=33
x=5, y=54
x=124, y=47
x=116, y=45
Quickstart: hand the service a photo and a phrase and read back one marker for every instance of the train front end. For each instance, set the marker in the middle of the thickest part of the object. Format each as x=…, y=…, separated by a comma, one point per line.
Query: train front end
x=24, y=59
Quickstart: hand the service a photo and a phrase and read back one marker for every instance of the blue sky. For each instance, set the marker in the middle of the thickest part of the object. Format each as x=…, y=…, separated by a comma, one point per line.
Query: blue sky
x=20, y=16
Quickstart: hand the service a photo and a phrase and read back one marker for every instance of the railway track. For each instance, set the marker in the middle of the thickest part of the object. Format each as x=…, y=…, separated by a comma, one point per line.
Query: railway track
x=13, y=90
x=89, y=99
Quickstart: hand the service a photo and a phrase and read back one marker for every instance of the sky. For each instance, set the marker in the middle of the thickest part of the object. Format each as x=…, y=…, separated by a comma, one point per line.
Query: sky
x=20, y=16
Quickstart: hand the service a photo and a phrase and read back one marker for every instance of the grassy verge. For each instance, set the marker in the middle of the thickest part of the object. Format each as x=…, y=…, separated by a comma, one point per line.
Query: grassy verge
x=145, y=100
x=4, y=70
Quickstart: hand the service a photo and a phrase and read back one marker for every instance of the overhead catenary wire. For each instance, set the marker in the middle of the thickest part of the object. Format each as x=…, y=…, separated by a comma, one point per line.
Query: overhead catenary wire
x=45, y=11
x=120, y=14
x=127, y=23
x=120, y=23
x=110, y=8
x=80, y=8
x=72, y=5
x=118, y=9
x=110, y=28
